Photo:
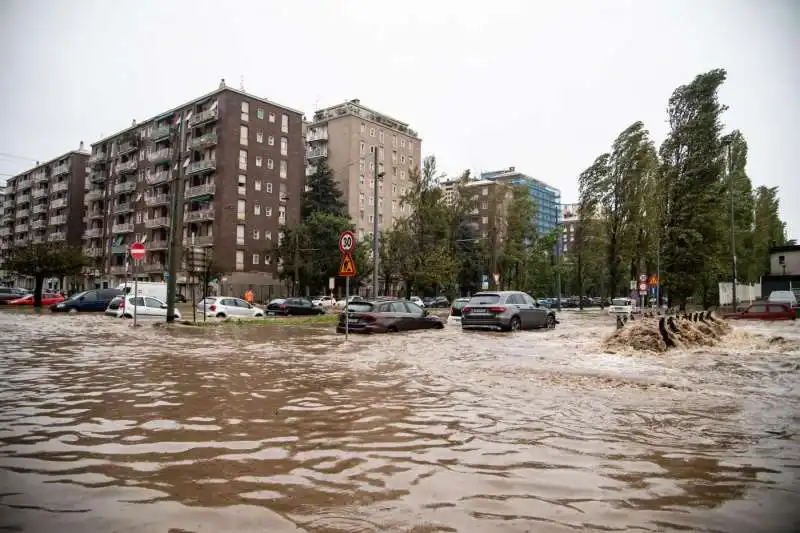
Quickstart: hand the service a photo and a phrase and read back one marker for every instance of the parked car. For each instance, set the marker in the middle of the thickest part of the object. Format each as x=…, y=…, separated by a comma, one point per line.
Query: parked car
x=352, y=298
x=95, y=300
x=623, y=306
x=141, y=306
x=324, y=301
x=440, y=302
x=456, y=310
x=294, y=307
x=506, y=311
x=224, y=307
x=8, y=294
x=417, y=300
x=783, y=297
x=765, y=311
x=386, y=316
x=48, y=298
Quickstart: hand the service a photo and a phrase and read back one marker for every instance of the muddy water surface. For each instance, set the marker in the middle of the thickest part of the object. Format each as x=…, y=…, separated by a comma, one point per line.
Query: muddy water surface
x=103, y=428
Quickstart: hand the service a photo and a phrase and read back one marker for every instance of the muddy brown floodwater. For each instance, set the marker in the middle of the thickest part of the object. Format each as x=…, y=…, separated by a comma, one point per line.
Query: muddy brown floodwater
x=244, y=429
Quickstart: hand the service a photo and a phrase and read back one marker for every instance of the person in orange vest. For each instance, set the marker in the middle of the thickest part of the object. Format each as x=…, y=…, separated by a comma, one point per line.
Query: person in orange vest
x=248, y=296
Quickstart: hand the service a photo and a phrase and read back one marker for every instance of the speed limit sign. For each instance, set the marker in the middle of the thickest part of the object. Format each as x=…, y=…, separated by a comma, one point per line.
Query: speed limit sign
x=347, y=242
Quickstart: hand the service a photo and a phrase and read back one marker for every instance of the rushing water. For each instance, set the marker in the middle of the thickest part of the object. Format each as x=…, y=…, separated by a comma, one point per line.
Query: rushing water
x=244, y=429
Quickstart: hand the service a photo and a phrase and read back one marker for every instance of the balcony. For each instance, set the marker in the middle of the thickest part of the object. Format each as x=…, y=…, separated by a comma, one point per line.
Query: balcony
x=95, y=214
x=93, y=233
x=39, y=208
x=119, y=249
x=40, y=177
x=38, y=239
x=159, y=132
x=154, y=267
x=23, y=213
x=38, y=193
x=157, y=178
x=200, y=190
x=120, y=209
x=156, y=245
x=20, y=228
x=204, y=141
x=204, y=116
x=200, y=215
x=98, y=157
x=39, y=223
x=317, y=135
x=93, y=251
x=97, y=177
x=5, y=232
x=23, y=198
x=61, y=186
x=58, y=203
x=127, y=166
x=127, y=147
x=118, y=270
x=58, y=220
x=156, y=199
x=160, y=156
x=160, y=222
x=60, y=169
x=125, y=187
x=94, y=195
x=9, y=204
x=321, y=151
x=201, y=166
x=125, y=227
x=57, y=236
x=202, y=240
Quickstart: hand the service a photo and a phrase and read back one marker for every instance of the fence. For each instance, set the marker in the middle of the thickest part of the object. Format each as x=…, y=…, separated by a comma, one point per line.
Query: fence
x=744, y=293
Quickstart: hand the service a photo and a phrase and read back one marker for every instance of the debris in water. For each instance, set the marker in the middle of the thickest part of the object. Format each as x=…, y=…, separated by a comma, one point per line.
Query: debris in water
x=659, y=334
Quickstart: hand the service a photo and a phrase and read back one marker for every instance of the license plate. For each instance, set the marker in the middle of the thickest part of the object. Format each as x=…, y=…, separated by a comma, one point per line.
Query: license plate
x=479, y=312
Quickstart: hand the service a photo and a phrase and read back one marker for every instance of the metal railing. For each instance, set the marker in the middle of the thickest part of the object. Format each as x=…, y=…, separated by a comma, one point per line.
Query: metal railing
x=93, y=233
x=208, y=139
x=128, y=166
x=58, y=203
x=125, y=227
x=60, y=169
x=201, y=166
x=125, y=187
x=58, y=220
x=160, y=222
x=157, y=177
x=160, y=156
x=199, y=215
x=59, y=187
x=57, y=236
x=156, y=199
x=200, y=190
x=204, y=116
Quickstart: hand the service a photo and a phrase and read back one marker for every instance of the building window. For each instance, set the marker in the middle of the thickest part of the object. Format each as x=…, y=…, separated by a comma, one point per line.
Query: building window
x=283, y=170
x=139, y=217
x=256, y=259
x=380, y=153
x=240, y=234
x=485, y=220
x=245, y=111
x=267, y=259
x=282, y=192
x=272, y=117
x=394, y=141
x=260, y=113
x=268, y=213
x=239, y=259
x=242, y=190
x=363, y=128
x=402, y=143
x=284, y=146
x=270, y=163
x=372, y=132
x=256, y=235
x=257, y=185
x=259, y=136
x=267, y=235
x=410, y=145
x=258, y=160
x=484, y=205
x=269, y=188
x=411, y=160
x=281, y=215
x=271, y=140
x=285, y=123
x=241, y=207
x=394, y=157
x=402, y=159
x=485, y=191
x=242, y=159
x=380, y=136
x=371, y=219
x=257, y=208
x=243, y=135
x=362, y=147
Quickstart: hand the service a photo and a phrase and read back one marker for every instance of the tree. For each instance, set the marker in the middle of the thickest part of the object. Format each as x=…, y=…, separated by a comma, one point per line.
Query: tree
x=42, y=261
x=520, y=233
x=737, y=185
x=768, y=229
x=322, y=194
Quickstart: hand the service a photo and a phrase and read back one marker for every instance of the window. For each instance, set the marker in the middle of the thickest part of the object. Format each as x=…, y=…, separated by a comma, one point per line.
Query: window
x=282, y=191
x=380, y=153
x=281, y=215
x=258, y=160
x=270, y=164
x=259, y=136
x=484, y=205
x=362, y=147
x=283, y=170
x=256, y=209
x=269, y=187
x=256, y=235
x=240, y=234
x=380, y=136
x=243, y=134
x=485, y=191
x=394, y=141
x=139, y=218
x=402, y=158
x=285, y=123
x=242, y=189
x=402, y=143
x=372, y=132
x=410, y=145
x=363, y=128
x=485, y=220
x=272, y=117
x=256, y=259
x=267, y=259
x=268, y=212
x=239, y=259
x=284, y=146
x=371, y=219
x=411, y=160
x=257, y=185
x=241, y=206
x=245, y=111
x=242, y=159
x=260, y=113
x=394, y=157
x=271, y=140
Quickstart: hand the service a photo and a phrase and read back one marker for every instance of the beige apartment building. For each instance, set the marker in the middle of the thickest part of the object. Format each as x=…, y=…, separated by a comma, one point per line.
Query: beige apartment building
x=346, y=134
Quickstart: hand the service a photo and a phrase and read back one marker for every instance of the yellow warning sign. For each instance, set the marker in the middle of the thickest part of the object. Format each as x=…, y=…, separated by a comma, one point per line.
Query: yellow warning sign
x=347, y=268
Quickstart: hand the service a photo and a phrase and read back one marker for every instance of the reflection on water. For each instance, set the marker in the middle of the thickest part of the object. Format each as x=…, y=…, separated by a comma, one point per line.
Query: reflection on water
x=106, y=428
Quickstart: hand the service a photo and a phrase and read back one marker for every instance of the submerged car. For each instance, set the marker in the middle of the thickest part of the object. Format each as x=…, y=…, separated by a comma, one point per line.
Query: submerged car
x=456, y=309
x=506, y=311
x=293, y=306
x=222, y=307
x=141, y=306
x=95, y=300
x=385, y=316
x=765, y=311
x=48, y=298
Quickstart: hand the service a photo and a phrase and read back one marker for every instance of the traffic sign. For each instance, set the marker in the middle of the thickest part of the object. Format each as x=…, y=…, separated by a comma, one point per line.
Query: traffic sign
x=347, y=242
x=496, y=279
x=347, y=268
x=643, y=278
x=643, y=287
x=653, y=279
x=137, y=251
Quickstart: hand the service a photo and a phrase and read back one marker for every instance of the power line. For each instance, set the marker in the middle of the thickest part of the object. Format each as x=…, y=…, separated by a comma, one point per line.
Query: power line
x=14, y=156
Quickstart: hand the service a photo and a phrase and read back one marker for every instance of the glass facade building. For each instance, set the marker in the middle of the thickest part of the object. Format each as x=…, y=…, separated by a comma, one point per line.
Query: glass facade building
x=547, y=198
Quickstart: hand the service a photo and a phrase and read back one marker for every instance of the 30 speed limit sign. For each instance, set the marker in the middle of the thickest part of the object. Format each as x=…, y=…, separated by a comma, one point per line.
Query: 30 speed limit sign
x=347, y=242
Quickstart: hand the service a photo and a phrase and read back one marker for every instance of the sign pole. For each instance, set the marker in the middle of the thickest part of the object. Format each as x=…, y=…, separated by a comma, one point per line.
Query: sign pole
x=346, y=313
x=135, y=292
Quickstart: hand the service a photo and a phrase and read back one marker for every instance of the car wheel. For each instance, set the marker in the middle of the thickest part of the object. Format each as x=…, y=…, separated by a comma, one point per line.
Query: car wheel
x=220, y=315
x=515, y=324
x=72, y=310
x=392, y=329
x=439, y=326
x=551, y=322
x=259, y=315
x=126, y=315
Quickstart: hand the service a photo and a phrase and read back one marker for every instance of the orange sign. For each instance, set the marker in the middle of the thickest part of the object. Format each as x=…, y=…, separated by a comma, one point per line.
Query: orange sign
x=347, y=268
x=653, y=280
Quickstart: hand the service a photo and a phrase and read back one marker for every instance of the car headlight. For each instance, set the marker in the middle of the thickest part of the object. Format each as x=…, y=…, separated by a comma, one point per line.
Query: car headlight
x=60, y=305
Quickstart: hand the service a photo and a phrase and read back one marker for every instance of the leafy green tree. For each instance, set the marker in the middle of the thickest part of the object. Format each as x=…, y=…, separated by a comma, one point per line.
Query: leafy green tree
x=42, y=261
x=768, y=229
x=520, y=233
x=322, y=194
x=738, y=188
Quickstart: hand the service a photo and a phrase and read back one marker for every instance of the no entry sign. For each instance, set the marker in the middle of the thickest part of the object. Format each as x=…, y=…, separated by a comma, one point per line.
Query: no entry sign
x=137, y=251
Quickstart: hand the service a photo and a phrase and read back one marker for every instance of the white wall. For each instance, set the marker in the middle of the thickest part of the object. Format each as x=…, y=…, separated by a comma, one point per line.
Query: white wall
x=744, y=293
x=791, y=261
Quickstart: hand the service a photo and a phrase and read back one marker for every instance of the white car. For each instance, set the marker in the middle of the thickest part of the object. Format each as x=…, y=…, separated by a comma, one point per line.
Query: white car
x=417, y=300
x=455, y=310
x=224, y=307
x=142, y=306
x=623, y=306
x=324, y=301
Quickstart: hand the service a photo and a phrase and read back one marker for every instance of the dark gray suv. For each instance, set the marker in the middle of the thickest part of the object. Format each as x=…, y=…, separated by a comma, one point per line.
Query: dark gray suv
x=506, y=311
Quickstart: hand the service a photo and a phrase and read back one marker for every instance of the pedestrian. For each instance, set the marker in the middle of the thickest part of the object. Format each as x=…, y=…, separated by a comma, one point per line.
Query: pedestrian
x=248, y=296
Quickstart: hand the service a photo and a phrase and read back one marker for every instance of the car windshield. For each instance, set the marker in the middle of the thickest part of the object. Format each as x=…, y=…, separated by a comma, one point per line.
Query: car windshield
x=460, y=303
x=484, y=299
x=359, y=307
x=277, y=301
x=78, y=295
x=620, y=301
x=207, y=301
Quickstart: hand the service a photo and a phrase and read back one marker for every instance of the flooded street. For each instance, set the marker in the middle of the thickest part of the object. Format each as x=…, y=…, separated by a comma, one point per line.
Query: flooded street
x=245, y=429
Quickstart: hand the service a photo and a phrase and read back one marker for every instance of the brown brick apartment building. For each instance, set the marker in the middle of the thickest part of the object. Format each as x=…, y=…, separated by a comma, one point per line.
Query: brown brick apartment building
x=346, y=134
x=240, y=160
x=45, y=204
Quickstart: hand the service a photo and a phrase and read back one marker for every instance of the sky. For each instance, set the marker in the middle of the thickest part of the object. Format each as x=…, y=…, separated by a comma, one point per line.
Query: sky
x=542, y=86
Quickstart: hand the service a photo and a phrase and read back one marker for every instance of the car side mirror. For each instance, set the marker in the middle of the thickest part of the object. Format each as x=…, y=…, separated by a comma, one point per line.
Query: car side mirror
x=536, y=304
x=164, y=306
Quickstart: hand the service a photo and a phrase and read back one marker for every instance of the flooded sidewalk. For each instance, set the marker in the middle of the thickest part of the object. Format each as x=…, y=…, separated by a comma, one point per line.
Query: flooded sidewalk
x=104, y=427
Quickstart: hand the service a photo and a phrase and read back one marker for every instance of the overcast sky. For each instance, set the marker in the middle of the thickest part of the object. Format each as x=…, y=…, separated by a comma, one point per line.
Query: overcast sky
x=543, y=86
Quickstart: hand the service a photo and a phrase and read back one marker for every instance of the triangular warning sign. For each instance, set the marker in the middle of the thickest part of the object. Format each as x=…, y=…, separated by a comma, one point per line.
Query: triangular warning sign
x=347, y=267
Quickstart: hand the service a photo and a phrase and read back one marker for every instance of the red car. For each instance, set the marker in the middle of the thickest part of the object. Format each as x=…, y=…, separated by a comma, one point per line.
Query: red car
x=765, y=311
x=47, y=299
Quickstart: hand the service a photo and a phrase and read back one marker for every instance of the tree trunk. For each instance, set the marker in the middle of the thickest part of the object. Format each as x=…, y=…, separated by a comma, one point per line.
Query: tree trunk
x=37, y=291
x=579, y=268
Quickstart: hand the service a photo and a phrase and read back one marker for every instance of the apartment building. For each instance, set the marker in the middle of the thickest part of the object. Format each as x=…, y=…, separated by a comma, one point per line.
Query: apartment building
x=239, y=160
x=569, y=223
x=547, y=197
x=45, y=204
x=346, y=134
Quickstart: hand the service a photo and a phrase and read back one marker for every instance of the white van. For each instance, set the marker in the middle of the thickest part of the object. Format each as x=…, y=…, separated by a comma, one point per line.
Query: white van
x=783, y=297
x=623, y=306
x=147, y=288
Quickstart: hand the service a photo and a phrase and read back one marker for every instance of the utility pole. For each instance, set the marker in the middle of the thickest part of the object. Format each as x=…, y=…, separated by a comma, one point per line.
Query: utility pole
x=558, y=267
x=296, y=262
x=733, y=232
x=176, y=216
x=376, y=176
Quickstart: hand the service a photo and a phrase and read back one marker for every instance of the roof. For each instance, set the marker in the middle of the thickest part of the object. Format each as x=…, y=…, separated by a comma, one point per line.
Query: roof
x=781, y=249
x=511, y=173
x=49, y=161
x=401, y=126
x=192, y=102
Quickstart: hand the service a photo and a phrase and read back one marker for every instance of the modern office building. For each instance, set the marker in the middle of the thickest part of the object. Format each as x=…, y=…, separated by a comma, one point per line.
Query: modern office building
x=346, y=134
x=547, y=198
x=45, y=204
x=237, y=159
